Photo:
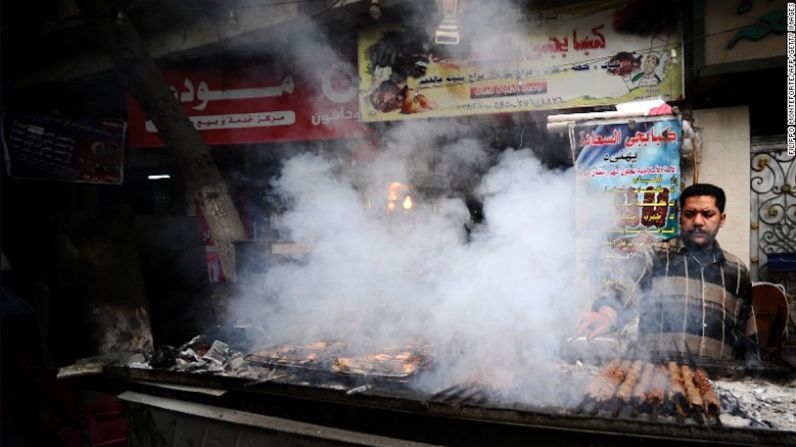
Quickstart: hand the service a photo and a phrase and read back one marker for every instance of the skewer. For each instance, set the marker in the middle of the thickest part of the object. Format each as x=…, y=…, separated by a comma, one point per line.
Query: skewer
x=358, y=389
x=619, y=407
x=596, y=408
x=667, y=407
x=696, y=413
x=479, y=397
x=582, y=405
x=635, y=409
x=679, y=413
x=711, y=403
x=454, y=393
x=655, y=409
x=588, y=405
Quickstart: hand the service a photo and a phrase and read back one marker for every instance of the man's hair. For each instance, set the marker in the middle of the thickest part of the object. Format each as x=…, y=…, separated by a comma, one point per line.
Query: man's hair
x=704, y=189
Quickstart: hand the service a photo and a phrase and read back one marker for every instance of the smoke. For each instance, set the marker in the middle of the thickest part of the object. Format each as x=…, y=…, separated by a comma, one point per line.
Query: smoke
x=492, y=301
x=493, y=306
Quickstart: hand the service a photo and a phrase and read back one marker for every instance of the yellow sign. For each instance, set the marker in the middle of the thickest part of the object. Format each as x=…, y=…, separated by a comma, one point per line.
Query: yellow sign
x=569, y=58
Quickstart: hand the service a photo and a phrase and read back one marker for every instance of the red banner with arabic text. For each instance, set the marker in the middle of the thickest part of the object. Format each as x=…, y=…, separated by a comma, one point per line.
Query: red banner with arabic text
x=255, y=107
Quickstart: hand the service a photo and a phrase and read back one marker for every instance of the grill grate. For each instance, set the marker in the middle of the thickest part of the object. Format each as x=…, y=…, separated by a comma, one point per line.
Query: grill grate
x=333, y=358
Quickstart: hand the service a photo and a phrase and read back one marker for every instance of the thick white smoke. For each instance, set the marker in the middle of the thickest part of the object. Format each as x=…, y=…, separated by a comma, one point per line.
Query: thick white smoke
x=493, y=305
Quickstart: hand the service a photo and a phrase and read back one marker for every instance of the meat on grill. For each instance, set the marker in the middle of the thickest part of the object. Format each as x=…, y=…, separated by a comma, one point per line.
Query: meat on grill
x=322, y=355
x=711, y=401
x=676, y=390
x=603, y=387
x=657, y=386
x=691, y=391
x=639, y=394
x=653, y=385
x=382, y=363
x=633, y=375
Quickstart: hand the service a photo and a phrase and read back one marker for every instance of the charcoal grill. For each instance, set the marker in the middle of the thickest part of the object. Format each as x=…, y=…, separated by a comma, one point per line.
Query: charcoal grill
x=457, y=415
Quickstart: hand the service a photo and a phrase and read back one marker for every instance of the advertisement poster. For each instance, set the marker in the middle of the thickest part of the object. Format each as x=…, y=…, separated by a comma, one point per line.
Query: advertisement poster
x=258, y=106
x=637, y=165
x=564, y=57
x=56, y=148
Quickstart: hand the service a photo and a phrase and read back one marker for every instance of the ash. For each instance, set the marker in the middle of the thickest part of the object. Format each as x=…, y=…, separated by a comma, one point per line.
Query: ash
x=756, y=403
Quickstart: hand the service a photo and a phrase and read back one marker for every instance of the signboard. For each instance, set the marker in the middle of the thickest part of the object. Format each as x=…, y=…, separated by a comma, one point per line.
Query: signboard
x=572, y=57
x=252, y=107
x=743, y=31
x=637, y=164
x=57, y=148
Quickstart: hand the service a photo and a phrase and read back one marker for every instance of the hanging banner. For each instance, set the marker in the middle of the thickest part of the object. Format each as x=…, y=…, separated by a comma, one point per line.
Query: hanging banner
x=637, y=165
x=56, y=148
x=252, y=107
x=571, y=56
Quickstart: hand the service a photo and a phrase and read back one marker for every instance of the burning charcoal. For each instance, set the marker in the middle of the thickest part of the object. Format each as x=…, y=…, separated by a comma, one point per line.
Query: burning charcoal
x=213, y=367
x=237, y=361
x=198, y=344
x=218, y=353
x=136, y=360
x=189, y=355
x=731, y=405
x=188, y=366
x=164, y=357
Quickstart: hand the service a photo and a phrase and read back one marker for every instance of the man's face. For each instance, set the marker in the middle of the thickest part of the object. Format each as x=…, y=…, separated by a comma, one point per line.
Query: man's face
x=649, y=64
x=700, y=220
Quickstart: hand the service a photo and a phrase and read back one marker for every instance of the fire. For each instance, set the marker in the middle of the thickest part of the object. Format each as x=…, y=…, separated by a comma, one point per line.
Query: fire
x=407, y=203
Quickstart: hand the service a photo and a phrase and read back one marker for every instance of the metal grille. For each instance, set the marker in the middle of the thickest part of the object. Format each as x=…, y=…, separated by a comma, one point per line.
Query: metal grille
x=773, y=213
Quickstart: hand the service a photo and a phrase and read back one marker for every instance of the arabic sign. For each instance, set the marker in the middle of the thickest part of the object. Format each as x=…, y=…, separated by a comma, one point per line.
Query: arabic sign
x=56, y=148
x=567, y=59
x=253, y=108
x=638, y=165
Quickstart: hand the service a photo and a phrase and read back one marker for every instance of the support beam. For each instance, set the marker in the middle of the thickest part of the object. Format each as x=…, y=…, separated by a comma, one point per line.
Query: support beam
x=141, y=78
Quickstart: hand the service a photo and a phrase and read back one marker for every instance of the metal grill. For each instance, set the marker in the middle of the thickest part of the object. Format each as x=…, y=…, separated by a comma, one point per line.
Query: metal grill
x=321, y=360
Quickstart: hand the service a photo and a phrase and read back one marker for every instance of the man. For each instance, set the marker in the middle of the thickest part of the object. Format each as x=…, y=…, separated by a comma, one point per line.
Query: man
x=690, y=296
x=647, y=77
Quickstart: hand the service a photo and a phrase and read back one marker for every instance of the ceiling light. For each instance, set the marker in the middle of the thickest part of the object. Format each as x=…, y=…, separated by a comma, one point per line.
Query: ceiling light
x=375, y=9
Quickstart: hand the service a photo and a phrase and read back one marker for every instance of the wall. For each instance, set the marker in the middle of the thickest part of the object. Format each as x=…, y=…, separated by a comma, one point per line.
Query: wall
x=726, y=21
x=726, y=145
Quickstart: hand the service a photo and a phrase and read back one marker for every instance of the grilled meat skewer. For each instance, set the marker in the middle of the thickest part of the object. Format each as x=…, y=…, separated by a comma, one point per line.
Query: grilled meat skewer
x=657, y=389
x=597, y=383
x=691, y=391
x=615, y=378
x=639, y=393
x=676, y=389
x=625, y=390
x=709, y=398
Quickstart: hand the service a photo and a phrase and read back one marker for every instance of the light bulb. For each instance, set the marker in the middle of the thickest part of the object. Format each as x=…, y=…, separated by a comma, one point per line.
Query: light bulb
x=375, y=10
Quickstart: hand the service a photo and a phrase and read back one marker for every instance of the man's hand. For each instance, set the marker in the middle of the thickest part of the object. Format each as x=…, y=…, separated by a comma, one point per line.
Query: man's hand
x=597, y=323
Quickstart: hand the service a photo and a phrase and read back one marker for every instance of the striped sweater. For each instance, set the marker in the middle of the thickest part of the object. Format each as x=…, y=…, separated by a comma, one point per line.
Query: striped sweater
x=686, y=301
